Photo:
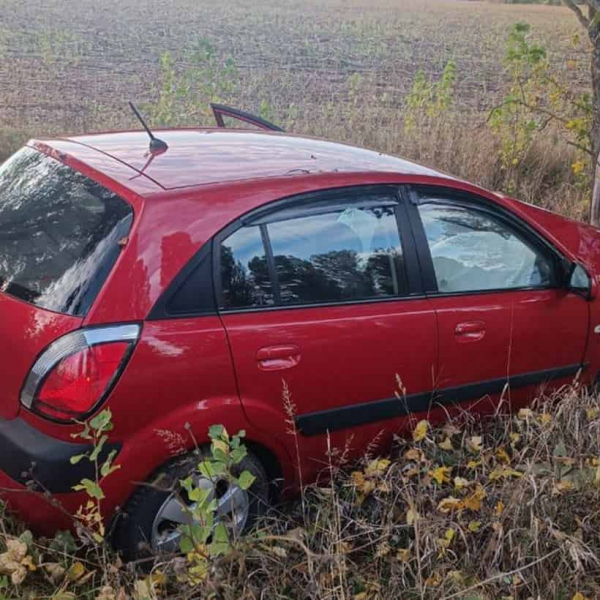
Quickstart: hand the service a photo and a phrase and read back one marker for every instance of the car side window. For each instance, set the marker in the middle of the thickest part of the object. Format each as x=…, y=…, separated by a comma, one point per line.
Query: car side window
x=347, y=254
x=245, y=278
x=474, y=251
x=331, y=253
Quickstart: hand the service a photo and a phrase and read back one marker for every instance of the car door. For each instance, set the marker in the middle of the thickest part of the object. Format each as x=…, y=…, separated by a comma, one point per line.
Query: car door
x=506, y=324
x=322, y=302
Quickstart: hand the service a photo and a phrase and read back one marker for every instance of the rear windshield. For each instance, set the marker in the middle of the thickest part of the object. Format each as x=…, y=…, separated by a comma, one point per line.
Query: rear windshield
x=59, y=233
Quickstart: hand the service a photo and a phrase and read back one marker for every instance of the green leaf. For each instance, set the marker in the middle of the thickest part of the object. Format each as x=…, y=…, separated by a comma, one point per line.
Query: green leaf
x=102, y=421
x=77, y=458
x=27, y=537
x=216, y=431
x=92, y=489
x=238, y=455
x=185, y=545
x=98, y=448
x=220, y=543
x=107, y=467
x=246, y=479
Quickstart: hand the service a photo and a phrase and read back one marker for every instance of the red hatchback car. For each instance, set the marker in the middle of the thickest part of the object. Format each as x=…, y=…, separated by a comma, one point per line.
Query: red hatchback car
x=187, y=284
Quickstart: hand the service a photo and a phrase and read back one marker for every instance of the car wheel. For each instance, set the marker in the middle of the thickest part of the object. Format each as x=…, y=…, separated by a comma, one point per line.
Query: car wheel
x=153, y=515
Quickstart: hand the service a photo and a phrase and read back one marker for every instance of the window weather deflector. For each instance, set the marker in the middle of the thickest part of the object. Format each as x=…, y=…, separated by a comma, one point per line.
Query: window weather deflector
x=220, y=111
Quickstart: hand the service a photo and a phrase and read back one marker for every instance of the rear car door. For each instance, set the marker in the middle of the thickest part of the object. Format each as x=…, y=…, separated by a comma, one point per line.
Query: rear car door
x=322, y=302
x=506, y=324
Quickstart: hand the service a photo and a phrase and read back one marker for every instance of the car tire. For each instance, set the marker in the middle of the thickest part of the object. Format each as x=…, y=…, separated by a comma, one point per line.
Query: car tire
x=134, y=530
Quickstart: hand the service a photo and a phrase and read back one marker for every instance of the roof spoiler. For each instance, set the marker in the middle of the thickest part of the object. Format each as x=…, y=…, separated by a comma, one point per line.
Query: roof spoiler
x=220, y=111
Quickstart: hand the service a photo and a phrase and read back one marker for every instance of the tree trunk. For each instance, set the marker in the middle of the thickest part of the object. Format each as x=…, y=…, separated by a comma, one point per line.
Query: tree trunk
x=595, y=207
x=595, y=134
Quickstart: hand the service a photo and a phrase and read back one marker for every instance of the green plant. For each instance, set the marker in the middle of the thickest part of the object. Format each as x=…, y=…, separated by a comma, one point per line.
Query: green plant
x=205, y=537
x=184, y=96
x=95, y=431
x=537, y=97
x=428, y=99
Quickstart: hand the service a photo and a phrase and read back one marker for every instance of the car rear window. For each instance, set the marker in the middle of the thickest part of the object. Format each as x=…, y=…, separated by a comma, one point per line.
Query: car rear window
x=59, y=233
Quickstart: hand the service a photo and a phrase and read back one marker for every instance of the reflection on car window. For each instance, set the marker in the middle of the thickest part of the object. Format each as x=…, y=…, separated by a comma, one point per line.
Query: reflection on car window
x=244, y=270
x=472, y=251
x=348, y=254
x=59, y=233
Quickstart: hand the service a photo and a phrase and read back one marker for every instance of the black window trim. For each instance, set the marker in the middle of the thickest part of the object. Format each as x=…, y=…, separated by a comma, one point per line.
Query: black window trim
x=161, y=309
x=302, y=202
x=455, y=197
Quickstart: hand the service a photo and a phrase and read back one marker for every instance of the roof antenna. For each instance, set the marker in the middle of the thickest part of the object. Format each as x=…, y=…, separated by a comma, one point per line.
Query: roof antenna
x=156, y=146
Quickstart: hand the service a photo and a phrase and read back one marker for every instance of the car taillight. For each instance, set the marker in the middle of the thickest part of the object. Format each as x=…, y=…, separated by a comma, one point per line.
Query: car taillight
x=76, y=372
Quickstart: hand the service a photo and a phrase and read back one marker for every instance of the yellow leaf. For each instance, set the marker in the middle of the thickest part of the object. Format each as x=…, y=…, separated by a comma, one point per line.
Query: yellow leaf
x=433, y=580
x=592, y=413
x=403, y=555
x=502, y=455
x=221, y=445
x=504, y=473
x=377, y=467
x=412, y=516
x=450, y=504
x=475, y=443
x=413, y=454
x=473, y=464
x=563, y=486
x=460, y=483
x=580, y=596
x=28, y=562
x=441, y=474
x=420, y=432
x=76, y=571
x=446, y=444
x=473, y=502
x=474, y=526
x=545, y=419
x=499, y=507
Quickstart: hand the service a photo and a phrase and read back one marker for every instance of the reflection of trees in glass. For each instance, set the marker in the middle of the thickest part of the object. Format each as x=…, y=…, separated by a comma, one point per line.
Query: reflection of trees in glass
x=245, y=286
x=54, y=225
x=384, y=267
x=330, y=276
x=335, y=276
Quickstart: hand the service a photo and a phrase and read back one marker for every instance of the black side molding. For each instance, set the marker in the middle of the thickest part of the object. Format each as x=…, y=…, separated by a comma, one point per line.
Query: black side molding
x=28, y=455
x=390, y=408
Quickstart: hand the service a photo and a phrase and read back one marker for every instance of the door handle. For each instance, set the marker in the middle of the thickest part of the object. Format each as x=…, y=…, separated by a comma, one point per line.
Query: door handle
x=276, y=358
x=470, y=331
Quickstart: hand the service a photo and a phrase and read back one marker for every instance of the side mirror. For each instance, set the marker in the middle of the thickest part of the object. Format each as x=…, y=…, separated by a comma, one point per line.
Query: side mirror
x=579, y=282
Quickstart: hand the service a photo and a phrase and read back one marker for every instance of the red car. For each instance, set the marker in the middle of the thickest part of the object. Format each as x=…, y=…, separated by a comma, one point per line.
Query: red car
x=190, y=282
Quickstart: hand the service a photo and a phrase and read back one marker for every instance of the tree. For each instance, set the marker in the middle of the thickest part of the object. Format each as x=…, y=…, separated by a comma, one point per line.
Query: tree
x=590, y=20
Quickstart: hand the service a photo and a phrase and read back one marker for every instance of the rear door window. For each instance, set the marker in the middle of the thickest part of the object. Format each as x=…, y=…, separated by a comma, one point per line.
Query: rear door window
x=336, y=251
x=59, y=233
x=348, y=254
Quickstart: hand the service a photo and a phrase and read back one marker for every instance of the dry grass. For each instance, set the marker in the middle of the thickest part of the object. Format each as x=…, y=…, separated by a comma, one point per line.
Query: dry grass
x=501, y=509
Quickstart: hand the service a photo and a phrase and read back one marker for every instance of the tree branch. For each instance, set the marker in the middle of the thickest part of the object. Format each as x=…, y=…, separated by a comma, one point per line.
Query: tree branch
x=580, y=16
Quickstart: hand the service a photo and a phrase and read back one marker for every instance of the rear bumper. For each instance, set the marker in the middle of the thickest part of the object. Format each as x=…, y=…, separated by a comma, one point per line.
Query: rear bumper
x=42, y=515
x=28, y=456
x=37, y=477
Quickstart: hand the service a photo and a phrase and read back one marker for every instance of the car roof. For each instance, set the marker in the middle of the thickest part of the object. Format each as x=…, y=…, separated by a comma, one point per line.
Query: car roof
x=215, y=156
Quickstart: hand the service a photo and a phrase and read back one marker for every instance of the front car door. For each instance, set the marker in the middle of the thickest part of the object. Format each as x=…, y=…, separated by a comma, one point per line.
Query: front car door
x=322, y=302
x=506, y=323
